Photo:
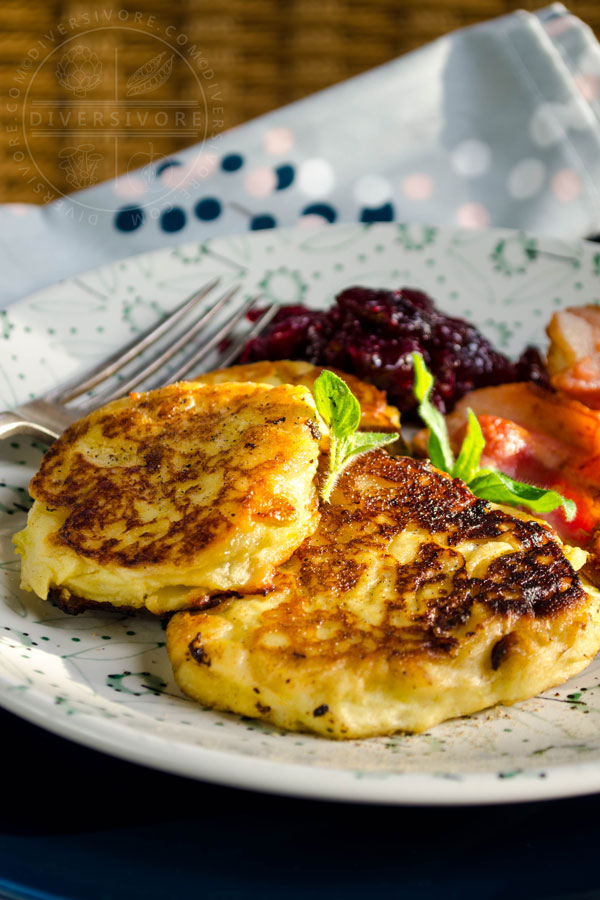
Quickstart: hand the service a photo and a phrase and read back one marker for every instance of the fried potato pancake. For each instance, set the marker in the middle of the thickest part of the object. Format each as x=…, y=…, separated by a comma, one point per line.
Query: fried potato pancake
x=160, y=498
x=413, y=602
x=376, y=413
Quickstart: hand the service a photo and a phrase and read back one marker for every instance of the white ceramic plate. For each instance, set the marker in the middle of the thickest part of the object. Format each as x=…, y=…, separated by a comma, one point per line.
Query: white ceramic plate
x=105, y=681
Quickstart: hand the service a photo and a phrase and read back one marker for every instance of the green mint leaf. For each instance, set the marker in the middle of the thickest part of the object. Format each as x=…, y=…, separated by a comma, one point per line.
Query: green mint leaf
x=336, y=404
x=340, y=410
x=488, y=484
x=500, y=488
x=438, y=447
x=369, y=440
x=467, y=464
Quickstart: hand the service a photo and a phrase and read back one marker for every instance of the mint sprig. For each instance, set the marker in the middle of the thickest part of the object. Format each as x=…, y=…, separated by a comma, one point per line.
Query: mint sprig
x=489, y=484
x=340, y=410
x=438, y=447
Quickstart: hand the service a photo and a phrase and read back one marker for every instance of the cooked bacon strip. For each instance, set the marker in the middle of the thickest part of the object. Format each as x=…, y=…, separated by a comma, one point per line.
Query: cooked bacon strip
x=543, y=438
x=574, y=353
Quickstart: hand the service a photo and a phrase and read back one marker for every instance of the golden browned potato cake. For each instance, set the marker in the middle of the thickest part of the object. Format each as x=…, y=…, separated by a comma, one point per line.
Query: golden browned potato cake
x=376, y=413
x=413, y=602
x=160, y=498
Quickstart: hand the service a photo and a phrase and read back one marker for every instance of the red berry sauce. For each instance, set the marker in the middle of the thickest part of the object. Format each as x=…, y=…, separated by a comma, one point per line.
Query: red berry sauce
x=372, y=333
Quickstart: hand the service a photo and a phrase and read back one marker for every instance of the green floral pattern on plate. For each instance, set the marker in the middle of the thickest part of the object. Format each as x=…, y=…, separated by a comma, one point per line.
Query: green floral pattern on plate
x=105, y=680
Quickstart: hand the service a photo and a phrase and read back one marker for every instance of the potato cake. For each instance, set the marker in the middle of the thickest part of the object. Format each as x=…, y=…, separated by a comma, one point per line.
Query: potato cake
x=376, y=413
x=413, y=602
x=161, y=498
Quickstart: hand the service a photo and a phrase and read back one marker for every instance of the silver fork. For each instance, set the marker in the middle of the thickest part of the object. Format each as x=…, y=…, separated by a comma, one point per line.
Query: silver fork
x=47, y=416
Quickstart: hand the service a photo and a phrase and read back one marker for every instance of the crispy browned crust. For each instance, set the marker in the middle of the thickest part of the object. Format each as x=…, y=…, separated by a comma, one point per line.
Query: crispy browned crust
x=434, y=595
x=74, y=605
x=160, y=455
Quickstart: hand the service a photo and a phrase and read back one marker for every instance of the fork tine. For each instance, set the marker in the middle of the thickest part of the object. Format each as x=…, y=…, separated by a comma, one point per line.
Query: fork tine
x=258, y=327
x=148, y=369
x=223, y=332
x=79, y=385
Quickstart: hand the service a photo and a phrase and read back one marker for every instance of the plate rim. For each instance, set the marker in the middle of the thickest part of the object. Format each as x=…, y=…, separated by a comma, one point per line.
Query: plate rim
x=377, y=788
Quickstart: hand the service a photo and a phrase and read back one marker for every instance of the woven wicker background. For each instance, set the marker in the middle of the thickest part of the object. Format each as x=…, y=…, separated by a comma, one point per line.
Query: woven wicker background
x=262, y=53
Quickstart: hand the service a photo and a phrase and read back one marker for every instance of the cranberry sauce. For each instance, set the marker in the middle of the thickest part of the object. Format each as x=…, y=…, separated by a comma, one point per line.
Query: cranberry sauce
x=371, y=334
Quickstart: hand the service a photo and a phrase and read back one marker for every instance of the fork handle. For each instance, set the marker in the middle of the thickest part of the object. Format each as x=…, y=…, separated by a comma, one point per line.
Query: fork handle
x=12, y=423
